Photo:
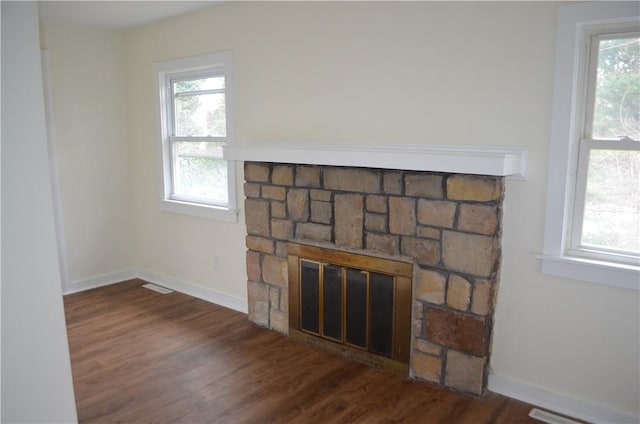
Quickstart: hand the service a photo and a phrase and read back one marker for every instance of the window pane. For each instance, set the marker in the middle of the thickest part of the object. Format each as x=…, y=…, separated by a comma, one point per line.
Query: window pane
x=212, y=83
x=199, y=171
x=200, y=115
x=617, y=98
x=612, y=201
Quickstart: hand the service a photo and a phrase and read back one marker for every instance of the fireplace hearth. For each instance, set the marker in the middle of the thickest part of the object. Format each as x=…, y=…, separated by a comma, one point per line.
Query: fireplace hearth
x=447, y=227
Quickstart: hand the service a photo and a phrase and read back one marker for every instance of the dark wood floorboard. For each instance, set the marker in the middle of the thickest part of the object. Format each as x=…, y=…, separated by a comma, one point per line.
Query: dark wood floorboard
x=140, y=356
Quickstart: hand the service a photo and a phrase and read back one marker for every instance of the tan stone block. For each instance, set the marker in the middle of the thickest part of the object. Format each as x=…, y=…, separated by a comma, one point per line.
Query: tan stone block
x=470, y=253
x=252, y=190
x=282, y=248
x=417, y=328
x=384, y=243
x=307, y=176
x=427, y=347
x=256, y=172
x=254, y=271
x=428, y=232
x=314, y=232
x=482, y=302
x=476, y=218
x=474, y=188
x=458, y=292
x=321, y=195
x=278, y=209
x=375, y=222
x=376, y=203
x=423, y=251
x=274, y=297
x=279, y=321
x=351, y=179
x=463, y=332
x=423, y=185
x=402, y=216
x=284, y=300
x=349, y=220
x=282, y=229
x=260, y=244
x=273, y=192
x=436, y=213
x=275, y=270
x=418, y=309
x=321, y=212
x=392, y=182
x=426, y=367
x=258, y=303
x=465, y=372
x=298, y=204
x=256, y=214
x=430, y=286
x=282, y=175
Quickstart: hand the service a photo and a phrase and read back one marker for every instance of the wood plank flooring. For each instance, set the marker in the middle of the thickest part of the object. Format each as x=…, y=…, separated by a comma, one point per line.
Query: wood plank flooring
x=140, y=356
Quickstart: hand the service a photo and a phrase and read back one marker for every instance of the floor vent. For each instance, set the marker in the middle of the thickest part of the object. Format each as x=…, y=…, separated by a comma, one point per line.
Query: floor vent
x=157, y=288
x=550, y=418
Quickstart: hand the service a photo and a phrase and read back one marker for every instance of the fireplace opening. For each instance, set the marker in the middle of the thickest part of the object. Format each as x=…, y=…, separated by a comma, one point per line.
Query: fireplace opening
x=355, y=304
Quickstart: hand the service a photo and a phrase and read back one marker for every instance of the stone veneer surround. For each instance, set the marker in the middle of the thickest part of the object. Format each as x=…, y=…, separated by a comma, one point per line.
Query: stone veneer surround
x=448, y=225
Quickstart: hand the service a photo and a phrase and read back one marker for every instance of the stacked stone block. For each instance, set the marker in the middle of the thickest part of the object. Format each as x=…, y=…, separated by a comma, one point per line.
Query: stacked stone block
x=448, y=225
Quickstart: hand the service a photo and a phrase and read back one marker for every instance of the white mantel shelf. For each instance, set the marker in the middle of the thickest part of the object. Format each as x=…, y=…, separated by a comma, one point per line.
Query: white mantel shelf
x=477, y=160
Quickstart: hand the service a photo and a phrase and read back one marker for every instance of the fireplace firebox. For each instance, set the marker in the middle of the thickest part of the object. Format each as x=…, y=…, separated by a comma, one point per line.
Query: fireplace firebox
x=357, y=304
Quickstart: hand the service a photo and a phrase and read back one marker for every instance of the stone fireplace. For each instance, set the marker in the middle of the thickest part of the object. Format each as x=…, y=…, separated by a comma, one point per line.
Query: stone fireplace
x=438, y=208
x=447, y=225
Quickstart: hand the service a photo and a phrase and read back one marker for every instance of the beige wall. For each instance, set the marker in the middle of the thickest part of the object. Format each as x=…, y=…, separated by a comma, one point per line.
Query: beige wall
x=37, y=386
x=416, y=72
x=93, y=155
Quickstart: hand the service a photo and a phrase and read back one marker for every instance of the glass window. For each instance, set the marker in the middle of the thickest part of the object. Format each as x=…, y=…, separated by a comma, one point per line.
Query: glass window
x=592, y=212
x=195, y=94
x=199, y=111
x=612, y=201
x=607, y=198
x=617, y=89
x=200, y=172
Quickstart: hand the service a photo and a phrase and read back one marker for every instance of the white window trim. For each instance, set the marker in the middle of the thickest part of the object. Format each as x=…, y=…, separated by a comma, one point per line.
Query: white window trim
x=563, y=151
x=223, y=61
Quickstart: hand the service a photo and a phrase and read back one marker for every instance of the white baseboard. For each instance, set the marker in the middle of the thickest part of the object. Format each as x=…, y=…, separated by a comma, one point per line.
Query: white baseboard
x=185, y=287
x=558, y=403
x=194, y=290
x=98, y=281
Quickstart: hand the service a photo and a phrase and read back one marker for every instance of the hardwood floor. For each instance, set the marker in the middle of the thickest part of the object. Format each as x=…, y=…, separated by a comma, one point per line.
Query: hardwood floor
x=140, y=356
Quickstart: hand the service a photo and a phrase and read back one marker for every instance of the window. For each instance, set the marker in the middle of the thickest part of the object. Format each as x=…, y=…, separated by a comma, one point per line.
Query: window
x=606, y=222
x=195, y=95
x=593, y=208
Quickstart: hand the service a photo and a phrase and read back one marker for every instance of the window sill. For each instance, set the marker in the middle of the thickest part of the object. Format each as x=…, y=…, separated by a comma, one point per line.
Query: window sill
x=198, y=210
x=599, y=272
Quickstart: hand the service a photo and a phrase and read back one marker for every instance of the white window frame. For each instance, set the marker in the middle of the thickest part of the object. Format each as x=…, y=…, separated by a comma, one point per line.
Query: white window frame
x=560, y=256
x=208, y=64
